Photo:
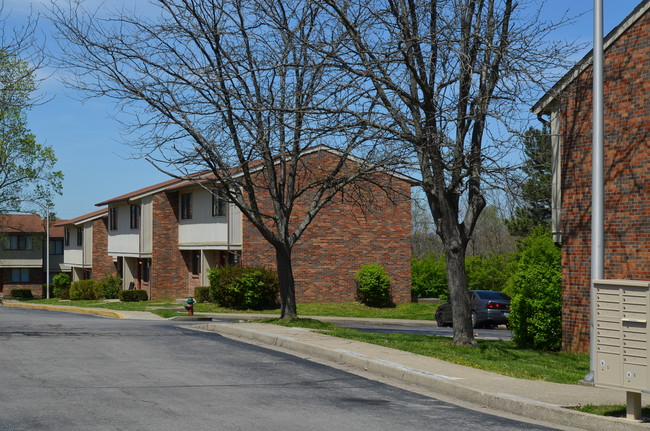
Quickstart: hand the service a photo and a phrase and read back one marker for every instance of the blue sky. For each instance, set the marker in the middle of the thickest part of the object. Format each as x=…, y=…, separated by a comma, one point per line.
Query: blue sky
x=86, y=138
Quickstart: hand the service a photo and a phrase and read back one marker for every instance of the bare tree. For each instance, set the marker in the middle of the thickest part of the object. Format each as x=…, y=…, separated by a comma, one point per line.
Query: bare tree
x=449, y=75
x=226, y=87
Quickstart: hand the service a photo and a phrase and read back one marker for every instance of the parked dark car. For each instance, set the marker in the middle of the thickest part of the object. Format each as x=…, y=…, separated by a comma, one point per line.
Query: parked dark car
x=489, y=309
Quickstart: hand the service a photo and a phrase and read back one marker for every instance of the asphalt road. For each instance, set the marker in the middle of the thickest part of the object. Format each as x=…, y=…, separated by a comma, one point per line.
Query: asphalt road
x=73, y=372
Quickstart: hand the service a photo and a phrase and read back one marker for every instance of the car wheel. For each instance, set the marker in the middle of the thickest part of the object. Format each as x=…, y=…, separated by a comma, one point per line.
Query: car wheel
x=439, y=320
x=473, y=320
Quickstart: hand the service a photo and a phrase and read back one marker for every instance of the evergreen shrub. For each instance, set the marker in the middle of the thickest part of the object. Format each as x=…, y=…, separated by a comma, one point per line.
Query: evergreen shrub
x=84, y=290
x=244, y=287
x=110, y=286
x=22, y=293
x=373, y=286
x=134, y=295
x=536, y=290
x=202, y=294
x=429, y=277
x=61, y=285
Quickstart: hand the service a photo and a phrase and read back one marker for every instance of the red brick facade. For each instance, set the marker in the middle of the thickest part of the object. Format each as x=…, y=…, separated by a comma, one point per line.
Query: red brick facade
x=361, y=226
x=102, y=264
x=627, y=172
x=168, y=269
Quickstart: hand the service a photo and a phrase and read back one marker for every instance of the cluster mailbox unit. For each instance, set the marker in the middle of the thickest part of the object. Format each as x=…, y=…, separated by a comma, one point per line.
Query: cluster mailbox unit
x=623, y=339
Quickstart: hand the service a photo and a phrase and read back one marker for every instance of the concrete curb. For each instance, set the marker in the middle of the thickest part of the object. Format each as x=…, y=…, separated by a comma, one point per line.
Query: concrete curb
x=79, y=310
x=437, y=383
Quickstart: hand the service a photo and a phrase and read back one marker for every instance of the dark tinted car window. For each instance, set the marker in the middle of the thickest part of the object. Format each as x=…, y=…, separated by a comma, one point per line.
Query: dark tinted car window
x=492, y=296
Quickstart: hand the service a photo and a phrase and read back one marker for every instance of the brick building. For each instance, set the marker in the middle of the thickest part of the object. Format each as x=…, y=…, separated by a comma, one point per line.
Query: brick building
x=165, y=238
x=626, y=169
x=86, y=246
x=23, y=253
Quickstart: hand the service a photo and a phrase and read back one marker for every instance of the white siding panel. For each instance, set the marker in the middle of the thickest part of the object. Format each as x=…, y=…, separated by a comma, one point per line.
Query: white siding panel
x=146, y=223
x=123, y=240
x=203, y=228
x=88, y=244
x=73, y=256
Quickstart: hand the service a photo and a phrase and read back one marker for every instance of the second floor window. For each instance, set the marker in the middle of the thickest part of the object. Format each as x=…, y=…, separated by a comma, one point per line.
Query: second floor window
x=186, y=206
x=112, y=218
x=56, y=246
x=66, y=236
x=135, y=216
x=19, y=242
x=219, y=203
x=80, y=236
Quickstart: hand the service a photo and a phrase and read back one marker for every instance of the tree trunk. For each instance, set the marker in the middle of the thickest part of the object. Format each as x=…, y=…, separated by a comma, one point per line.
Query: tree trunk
x=287, y=283
x=459, y=297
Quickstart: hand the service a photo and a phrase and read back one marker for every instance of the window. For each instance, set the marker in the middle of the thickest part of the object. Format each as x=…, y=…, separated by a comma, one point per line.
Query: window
x=196, y=263
x=219, y=203
x=146, y=267
x=66, y=236
x=20, y=275
x=20, y=242
x=112, y=218
x=135, y=216
x=186, y=206
x=80, y=236
x=56, y=246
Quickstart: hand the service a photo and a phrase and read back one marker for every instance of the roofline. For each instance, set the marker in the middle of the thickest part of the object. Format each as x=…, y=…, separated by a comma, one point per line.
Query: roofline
x=178, y=183
x=140, y=193
x=84, y=218
x=543, y=104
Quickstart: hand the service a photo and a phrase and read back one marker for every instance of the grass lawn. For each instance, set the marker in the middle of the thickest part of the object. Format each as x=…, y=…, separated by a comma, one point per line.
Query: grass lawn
x=501, y=357
x=607, y=410
x=345, y=309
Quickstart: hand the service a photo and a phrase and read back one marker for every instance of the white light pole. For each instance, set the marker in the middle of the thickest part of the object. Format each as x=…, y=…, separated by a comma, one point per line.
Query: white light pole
x=47, y=251
x=597, y=181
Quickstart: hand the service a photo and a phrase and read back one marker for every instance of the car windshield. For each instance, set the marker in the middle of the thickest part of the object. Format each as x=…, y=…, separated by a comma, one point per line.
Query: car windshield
x=492, y=296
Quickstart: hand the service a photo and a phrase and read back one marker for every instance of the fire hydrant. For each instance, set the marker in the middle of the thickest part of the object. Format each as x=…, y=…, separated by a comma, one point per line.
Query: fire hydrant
x=190, y=306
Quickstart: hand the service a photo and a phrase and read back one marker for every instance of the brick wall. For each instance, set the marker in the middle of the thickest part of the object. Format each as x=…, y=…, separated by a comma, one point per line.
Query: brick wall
x=344, y=236
x=627, y=172
x=36, y=280
x=168, y=268
x=102, y=263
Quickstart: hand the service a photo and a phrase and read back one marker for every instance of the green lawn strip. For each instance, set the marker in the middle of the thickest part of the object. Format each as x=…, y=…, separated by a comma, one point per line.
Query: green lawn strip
x=346, y=309
x=501, y=357
x=116, y=305
x=610, y=410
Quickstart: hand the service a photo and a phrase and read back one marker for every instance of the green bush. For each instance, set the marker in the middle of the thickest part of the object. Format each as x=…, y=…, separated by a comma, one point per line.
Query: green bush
x=536, y=290
x=202, y=294
x=133, y=295
x=110, y=286
x=373, y=286
x=22, y=293
x=429, y=277
x=44, y=291
x=61, y=285
x=244, y=288
x=491, y=272
x=84, y=290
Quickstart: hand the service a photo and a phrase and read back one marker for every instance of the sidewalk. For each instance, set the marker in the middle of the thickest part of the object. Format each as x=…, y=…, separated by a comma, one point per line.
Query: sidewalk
x=538, y=400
